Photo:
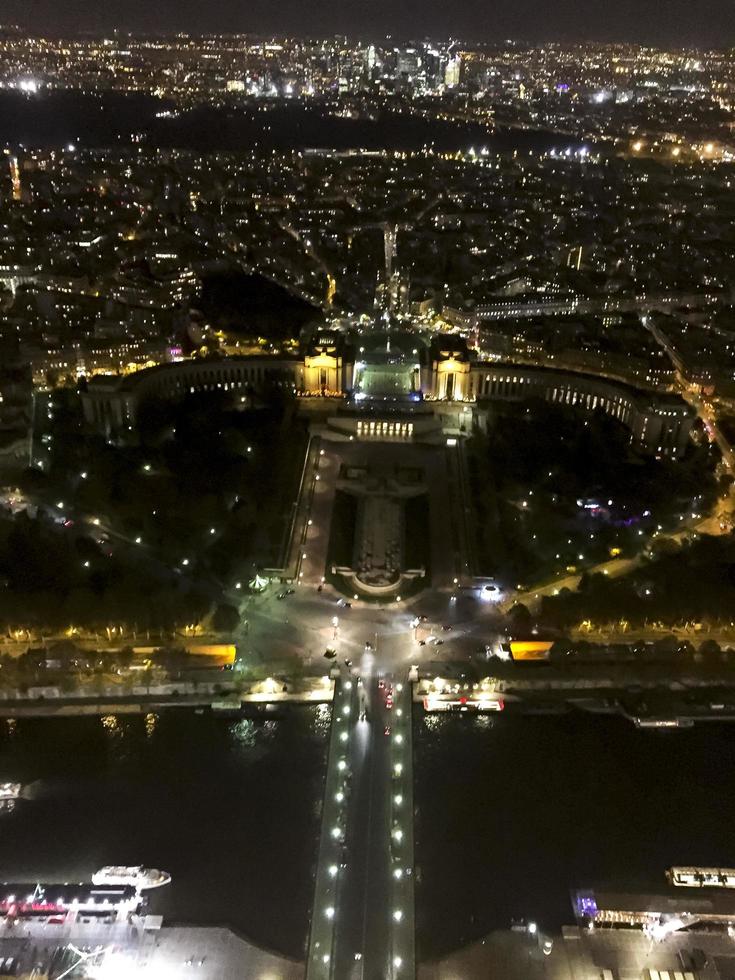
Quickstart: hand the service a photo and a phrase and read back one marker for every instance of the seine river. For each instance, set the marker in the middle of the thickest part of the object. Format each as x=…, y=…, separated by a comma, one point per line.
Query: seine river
x=229, y=808
x=513, y=811
x=516, y=810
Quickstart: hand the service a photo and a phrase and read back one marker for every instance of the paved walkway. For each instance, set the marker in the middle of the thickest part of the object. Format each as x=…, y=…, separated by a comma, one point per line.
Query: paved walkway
x=579, y=954
x=314, y=547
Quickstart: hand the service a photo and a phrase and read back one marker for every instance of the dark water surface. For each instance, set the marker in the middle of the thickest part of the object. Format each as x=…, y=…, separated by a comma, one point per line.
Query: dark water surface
x=228, y=807
x=514, y=811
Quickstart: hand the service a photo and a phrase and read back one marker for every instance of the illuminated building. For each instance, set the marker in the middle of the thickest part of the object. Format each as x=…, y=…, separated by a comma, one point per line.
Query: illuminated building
x=453, y=71
x=659, y=423
x=326, y=370
x=15, y=178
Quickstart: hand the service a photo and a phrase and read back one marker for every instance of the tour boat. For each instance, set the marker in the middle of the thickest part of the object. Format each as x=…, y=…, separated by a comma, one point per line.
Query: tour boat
x=701, y=877
x=139, y=878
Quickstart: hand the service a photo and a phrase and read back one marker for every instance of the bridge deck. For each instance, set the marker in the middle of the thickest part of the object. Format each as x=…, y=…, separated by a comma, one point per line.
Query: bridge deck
x=365, y=872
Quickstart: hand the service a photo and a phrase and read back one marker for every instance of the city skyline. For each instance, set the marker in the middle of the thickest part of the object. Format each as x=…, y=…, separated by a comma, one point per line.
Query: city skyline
x=526, y=21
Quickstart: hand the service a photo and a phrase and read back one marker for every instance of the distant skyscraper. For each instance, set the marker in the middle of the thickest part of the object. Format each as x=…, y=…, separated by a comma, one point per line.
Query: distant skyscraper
x=390, y=247
x=355, y=68
x=453, y=71
x=408, y=64
x=15, y=178
x=433, y=68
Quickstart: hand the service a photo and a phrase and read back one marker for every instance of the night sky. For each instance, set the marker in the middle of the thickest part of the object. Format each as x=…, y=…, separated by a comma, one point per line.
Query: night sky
x=672, y=22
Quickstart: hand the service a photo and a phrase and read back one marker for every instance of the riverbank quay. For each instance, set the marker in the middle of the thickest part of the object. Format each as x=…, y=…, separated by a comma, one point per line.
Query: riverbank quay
x=142, y=948
x=225, y=697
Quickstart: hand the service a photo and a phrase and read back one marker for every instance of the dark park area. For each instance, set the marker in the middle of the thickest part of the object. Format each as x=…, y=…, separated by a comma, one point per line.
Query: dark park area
x=252, y=307
x=557, y=491
x=155, y=530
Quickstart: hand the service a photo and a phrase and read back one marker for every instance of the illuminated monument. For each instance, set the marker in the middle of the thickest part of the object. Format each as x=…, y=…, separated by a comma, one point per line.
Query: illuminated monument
x=392, y=371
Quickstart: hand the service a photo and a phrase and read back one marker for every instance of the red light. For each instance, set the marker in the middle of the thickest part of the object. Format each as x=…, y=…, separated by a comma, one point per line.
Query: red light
x=463, y=700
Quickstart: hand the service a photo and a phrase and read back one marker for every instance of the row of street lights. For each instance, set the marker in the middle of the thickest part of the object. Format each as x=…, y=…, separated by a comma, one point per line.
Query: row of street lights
x=401, y=840
x=308, y=523
x=320, y=964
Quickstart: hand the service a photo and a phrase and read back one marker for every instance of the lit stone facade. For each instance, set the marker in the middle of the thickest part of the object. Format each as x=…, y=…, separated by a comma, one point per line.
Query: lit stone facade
x=445, y=373
x=327, y=371
x=660, y=424
x=111, y=401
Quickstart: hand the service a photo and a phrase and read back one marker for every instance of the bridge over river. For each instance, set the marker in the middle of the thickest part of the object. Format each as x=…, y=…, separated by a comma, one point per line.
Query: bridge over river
x=363, y=912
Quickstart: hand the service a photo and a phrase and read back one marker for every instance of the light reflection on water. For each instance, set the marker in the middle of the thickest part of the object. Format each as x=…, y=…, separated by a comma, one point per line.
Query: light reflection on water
x=249, y=734
x=484, y=721
x=447, y=721
x=244, y=732
x=322, y=719
x=229, y=807
x=440, y=720
x=433, y=723
x=111, y=726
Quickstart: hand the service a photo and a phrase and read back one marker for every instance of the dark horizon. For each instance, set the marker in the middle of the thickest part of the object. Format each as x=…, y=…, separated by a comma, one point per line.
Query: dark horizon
x=524, y=21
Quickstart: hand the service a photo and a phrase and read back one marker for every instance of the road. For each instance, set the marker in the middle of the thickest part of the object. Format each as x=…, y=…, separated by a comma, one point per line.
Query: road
x=616, y=567
x=363, y=913
x=690, y=394
x=363, y=932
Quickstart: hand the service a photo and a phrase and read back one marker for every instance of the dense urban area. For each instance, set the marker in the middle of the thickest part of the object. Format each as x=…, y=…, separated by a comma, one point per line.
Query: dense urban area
x=366, y=434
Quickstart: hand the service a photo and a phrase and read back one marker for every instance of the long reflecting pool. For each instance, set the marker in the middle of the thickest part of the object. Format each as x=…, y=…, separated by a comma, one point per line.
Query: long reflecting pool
x=228, y=807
